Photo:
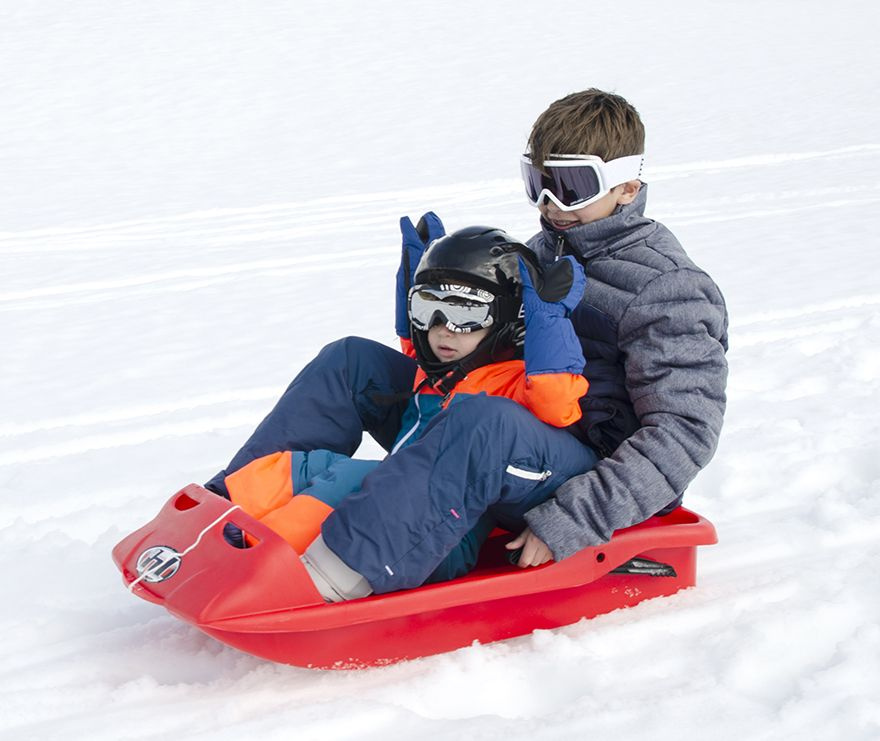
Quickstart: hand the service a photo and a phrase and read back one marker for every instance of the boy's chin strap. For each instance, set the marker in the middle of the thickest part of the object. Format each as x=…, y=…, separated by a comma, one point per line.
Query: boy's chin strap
x=447, y=382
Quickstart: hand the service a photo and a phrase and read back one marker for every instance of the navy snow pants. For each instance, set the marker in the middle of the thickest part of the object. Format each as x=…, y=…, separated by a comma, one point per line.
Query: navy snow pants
x=481, y=456
x=483, y=453
x=353, y=386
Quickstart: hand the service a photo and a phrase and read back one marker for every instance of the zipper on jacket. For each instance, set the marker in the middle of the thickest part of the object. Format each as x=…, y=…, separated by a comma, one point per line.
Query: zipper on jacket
x=412, y=429
x=560, y=249
x=524, y=473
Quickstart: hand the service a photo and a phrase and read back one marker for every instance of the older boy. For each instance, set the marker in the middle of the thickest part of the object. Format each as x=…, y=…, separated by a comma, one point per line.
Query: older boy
x=653, y=327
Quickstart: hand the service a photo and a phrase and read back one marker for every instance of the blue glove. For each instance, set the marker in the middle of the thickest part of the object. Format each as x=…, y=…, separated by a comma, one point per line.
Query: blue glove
x=549, y=298
x=415, y=241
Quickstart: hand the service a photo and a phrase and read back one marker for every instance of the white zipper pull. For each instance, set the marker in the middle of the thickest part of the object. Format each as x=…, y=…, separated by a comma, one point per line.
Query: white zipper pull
x=530, y=475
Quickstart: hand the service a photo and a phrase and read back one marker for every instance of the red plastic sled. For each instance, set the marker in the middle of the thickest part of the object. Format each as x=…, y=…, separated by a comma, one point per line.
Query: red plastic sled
x=261, y=601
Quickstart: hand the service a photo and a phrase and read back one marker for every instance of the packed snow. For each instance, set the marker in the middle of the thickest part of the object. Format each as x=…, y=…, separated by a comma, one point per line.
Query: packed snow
x=196, y=196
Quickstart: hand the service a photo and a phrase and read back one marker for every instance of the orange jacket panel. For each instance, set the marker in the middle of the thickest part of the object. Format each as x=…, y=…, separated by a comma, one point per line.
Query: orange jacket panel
x=551, y=397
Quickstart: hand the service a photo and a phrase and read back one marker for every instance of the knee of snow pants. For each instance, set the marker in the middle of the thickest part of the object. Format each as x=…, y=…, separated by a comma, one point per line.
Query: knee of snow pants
x=354, y=385
x=482, y=452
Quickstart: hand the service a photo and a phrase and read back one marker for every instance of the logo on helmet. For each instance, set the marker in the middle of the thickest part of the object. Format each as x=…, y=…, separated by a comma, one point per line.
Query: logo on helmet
x=158, y=563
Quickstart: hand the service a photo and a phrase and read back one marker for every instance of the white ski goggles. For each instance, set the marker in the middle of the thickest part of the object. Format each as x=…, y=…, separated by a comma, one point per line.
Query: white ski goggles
x=461, y=308
x=573, y=181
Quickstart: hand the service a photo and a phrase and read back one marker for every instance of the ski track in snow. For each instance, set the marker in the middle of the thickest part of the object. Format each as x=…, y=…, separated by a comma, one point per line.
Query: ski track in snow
x=255, y=224
x=820, y=325
x=286, y=223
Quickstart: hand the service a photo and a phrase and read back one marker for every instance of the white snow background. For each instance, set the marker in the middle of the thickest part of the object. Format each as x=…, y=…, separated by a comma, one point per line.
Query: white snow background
x=195, y=196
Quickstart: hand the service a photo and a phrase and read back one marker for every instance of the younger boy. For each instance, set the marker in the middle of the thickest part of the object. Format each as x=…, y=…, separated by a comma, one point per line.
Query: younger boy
x=470, y=311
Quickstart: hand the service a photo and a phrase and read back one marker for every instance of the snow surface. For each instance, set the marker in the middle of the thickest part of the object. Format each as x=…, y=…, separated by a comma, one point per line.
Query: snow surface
x=195, y=196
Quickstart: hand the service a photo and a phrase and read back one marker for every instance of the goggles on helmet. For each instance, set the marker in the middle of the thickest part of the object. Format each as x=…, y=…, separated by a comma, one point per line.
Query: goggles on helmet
x=461, y=309
x=573, y=181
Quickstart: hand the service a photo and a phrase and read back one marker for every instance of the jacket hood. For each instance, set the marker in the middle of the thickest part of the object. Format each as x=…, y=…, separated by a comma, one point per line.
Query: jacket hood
x=627, y=224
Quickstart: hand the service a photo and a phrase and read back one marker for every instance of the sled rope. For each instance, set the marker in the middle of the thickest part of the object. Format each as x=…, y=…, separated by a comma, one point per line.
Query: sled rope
x=198, y=540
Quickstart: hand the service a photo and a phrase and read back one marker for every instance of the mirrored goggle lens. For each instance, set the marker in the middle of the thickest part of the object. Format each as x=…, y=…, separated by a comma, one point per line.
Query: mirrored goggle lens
x=463, y=311
x=570, y=185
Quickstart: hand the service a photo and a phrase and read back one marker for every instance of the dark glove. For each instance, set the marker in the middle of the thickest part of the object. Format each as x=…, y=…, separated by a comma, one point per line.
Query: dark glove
x=549, y=298
x=415, y=241
x=556, y=291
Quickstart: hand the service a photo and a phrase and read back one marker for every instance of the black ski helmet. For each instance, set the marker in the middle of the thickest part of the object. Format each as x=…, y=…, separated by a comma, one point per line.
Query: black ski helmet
x=479, y=257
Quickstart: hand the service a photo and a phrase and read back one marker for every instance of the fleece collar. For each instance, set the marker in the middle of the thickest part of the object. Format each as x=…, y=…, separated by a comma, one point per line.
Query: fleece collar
x=627, y=224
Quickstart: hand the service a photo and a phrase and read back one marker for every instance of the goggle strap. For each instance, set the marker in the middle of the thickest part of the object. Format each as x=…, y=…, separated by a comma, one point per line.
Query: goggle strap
x=622, y=170
x=506, y=309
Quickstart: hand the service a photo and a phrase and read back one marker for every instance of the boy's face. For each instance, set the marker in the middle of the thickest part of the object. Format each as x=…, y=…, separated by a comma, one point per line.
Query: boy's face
x=620, y=195
x=448, y=346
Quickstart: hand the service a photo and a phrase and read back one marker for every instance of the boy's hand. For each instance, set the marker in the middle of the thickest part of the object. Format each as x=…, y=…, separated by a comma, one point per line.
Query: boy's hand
x=534, y=550
x=557, y=291
x=415, y=240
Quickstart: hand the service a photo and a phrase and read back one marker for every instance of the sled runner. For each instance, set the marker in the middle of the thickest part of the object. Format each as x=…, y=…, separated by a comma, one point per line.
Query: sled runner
x=261, y=601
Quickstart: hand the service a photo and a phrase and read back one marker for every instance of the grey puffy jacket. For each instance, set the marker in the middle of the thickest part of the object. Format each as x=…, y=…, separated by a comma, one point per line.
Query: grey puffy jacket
x=653, y=327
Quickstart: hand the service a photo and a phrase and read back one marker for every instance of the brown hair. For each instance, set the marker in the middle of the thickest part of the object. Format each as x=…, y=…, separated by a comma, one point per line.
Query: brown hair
x=588, y=122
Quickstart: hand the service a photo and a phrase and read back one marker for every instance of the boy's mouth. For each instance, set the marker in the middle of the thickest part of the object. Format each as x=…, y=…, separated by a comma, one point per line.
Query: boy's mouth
x=446, y=350
x=563, y=224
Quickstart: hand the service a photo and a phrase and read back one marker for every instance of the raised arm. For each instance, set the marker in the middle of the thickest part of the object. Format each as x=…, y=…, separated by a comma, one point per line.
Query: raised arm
x=553, y=357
